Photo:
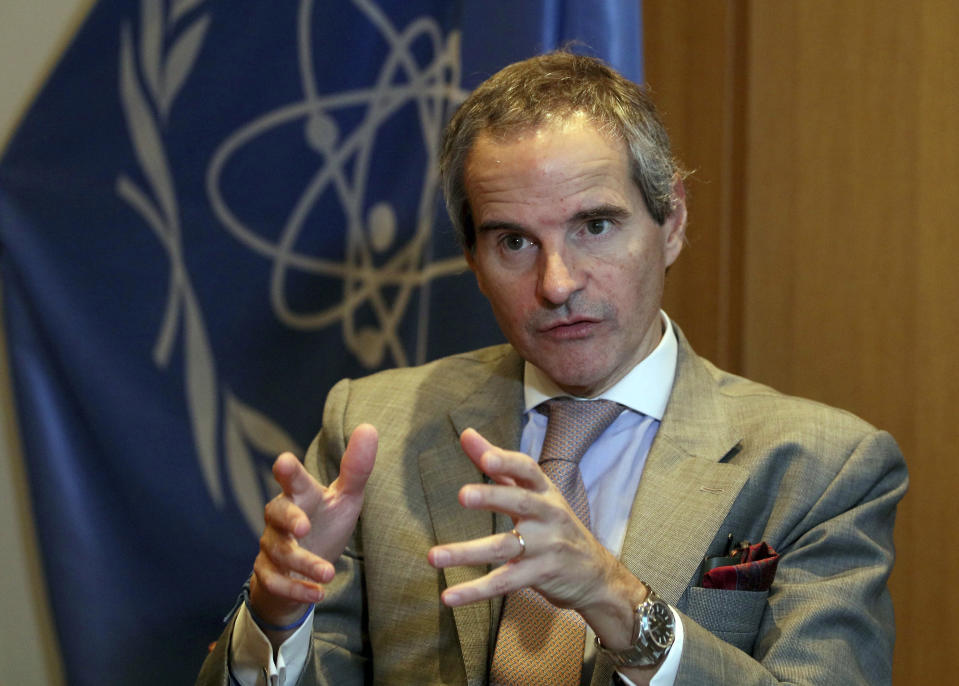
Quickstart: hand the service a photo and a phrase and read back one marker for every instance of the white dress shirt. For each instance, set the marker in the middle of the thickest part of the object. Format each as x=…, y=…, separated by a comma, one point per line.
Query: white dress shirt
x=613, y=464
x=611, y=467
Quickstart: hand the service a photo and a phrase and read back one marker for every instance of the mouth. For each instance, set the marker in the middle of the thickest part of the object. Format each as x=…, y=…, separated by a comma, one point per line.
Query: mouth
x=570, y=329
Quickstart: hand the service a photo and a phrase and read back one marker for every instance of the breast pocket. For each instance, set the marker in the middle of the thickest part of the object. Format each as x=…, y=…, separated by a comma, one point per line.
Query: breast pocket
x=733, y=616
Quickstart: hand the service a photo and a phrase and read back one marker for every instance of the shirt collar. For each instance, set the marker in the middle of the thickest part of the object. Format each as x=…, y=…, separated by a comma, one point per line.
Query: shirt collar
x=645, y=389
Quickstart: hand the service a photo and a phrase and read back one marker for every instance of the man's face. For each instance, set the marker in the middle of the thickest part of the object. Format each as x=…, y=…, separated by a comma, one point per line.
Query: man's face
x=567, y=253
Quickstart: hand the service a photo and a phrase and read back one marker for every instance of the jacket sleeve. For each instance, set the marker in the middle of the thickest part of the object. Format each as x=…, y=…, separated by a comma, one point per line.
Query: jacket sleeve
x=339, y=653
x=338, y=647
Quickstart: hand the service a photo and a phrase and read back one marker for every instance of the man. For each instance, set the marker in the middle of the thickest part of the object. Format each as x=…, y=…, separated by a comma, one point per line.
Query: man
x=559, y=179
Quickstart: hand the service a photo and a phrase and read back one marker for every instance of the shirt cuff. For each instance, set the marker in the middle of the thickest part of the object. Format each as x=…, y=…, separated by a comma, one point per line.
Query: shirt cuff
x=251, y=660
x=666, y=674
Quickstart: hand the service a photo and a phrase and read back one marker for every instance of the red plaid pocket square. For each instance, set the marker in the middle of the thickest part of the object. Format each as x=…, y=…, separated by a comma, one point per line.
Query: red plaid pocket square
x=753, y=570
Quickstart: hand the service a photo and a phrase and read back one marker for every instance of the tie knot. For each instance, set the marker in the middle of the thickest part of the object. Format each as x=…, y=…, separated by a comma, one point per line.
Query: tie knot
x=573, y=426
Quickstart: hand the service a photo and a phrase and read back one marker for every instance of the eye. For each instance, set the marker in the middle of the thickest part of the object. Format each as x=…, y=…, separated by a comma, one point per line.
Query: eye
x=514, y=242
x=597, y=227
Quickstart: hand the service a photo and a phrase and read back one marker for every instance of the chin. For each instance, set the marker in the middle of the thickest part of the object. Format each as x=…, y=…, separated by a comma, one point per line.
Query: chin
x=578, y=381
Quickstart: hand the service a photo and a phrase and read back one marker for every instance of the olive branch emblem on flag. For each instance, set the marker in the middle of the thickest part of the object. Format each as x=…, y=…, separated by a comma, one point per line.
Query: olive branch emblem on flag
x=155, y=61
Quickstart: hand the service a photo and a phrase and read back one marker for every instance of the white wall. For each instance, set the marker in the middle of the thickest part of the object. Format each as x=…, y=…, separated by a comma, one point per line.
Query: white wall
x=32, y=37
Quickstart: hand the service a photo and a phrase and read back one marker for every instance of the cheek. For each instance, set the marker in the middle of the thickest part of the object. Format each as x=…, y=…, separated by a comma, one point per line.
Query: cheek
x=642, y=261
x=481, y=283
x=505, y=296
x=509, y=308
x=633, y=281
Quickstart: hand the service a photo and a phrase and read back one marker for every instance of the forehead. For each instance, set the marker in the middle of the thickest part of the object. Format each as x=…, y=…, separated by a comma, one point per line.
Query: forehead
x=559, y=163
x=555, y=136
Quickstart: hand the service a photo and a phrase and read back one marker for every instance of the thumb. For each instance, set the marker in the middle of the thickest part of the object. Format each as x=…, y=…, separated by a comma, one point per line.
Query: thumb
x=357, y=462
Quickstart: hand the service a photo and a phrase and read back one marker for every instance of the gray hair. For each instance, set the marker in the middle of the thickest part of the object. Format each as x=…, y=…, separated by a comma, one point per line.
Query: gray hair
x=523, y=95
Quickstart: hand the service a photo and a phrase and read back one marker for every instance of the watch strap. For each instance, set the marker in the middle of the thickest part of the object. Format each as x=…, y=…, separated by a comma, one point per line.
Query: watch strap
x=653, y=635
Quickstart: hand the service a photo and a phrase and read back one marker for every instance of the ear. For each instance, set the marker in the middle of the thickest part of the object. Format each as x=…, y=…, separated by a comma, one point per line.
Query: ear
x=674, y=227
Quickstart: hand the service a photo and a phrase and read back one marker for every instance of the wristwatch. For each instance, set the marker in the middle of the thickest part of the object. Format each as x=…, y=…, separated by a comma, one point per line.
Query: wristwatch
x=653, y=631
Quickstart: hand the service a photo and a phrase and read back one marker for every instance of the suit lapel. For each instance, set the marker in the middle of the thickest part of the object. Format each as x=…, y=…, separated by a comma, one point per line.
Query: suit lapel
x=495, y=410
x=687, y=489
x=680, y=504
x=685, y=493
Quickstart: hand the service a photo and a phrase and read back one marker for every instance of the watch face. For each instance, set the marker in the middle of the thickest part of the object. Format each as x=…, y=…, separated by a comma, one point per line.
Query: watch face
x=658, y=625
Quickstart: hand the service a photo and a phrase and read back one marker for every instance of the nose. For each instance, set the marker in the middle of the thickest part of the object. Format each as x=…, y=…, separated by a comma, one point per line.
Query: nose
x=558, y=278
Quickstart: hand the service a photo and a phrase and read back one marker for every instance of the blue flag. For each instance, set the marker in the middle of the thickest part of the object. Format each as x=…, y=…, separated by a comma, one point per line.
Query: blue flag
x=212, y=212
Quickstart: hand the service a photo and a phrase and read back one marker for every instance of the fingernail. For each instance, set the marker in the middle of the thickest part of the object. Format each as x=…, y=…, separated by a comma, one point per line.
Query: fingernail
x=441, y=558
x=471, y=497
x=451, y=598
x=493, y=461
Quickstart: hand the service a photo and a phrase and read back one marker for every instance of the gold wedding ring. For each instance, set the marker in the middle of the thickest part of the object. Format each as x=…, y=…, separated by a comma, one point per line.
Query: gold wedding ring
x=522, y=543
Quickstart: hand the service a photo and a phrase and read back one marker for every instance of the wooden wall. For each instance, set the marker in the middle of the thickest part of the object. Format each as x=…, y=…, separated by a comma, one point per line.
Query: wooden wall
x=823, y=256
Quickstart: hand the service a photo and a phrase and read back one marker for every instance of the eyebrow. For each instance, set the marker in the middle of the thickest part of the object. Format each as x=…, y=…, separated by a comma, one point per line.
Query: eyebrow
x=606, y=211
x=497, y=225
x=602, y=212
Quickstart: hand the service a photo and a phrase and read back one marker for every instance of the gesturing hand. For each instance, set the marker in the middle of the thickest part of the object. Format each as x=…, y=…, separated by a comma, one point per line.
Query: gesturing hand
x=562, y=560
x=307, y=528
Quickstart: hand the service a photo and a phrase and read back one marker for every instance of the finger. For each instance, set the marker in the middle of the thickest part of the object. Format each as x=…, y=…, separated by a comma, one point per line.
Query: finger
x=495, y=549
x=273, y=581
x=285, y=525
x=286, y=517
x=287, y=556
x=503, y=466
x=476, y=447
x=516, y=502
x=357, y=463
x=293, y=478
x=499, y=582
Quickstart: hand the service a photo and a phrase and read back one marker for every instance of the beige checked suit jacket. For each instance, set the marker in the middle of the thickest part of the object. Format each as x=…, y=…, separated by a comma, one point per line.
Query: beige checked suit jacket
x=731, y=456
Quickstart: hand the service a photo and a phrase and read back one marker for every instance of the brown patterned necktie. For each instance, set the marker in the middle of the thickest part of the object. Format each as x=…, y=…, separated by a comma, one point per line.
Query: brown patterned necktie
x=539, y=643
